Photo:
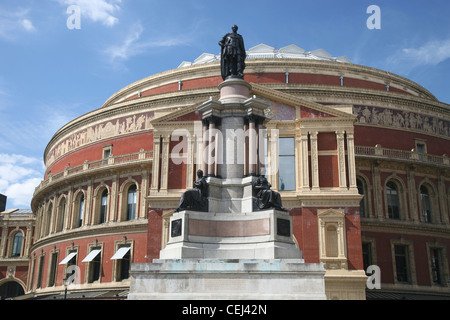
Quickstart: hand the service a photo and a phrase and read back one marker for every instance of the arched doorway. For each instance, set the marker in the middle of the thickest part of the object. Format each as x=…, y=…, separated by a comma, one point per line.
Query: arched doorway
x=10, y=289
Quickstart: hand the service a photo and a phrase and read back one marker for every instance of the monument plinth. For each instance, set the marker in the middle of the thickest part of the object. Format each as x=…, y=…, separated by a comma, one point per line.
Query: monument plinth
x=239, y=245
x=234, y=227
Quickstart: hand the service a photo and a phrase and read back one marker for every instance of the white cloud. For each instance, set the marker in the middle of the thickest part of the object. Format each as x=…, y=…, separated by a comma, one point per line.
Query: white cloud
x=431, y=53
x=132, y=45
x=19, y=176
x=97, y=10
x=13, y=22
x=28, y=25
x=129, y=47
x=21, y=193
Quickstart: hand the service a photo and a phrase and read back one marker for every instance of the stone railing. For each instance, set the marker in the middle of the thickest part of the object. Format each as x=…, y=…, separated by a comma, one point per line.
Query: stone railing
x=126, y=159
x=412, y=156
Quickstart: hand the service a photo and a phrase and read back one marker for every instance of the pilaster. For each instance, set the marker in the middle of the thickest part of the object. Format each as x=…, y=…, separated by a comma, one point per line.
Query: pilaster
x=156, y=162
x=314, y=161
x=340, y=137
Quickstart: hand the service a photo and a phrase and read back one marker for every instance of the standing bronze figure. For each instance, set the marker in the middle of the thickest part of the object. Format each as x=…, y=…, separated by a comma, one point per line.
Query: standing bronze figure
x=232, y=55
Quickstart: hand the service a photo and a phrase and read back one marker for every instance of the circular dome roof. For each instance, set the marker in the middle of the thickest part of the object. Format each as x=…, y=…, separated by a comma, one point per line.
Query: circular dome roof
x=263, y=51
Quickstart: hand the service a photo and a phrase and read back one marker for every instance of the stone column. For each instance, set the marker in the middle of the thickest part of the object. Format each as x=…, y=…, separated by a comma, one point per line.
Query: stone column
x=144, y=190
x=4, y=240
x=252, y=151
x=412, y=199
x=114, y=198
x=322, y=242
x=304, y=160
x=273, y=156
x=233, y=147
x=88, y=212
x=340, y=136
x=28, y=239
x=219, y=154
x=351, y=160
x=340, y=229
x=190, y=162
x=442, y=198
x=261, y=150
x=314, y=160
x=165, y=158
x=156, y=159
x=204, y=154
x=377, y=190
x=212, y=146
x=246, y=148
x=68, y=215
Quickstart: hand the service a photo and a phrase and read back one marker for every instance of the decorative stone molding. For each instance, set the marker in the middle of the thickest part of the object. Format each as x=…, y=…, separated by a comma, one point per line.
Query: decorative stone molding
x=332, y=239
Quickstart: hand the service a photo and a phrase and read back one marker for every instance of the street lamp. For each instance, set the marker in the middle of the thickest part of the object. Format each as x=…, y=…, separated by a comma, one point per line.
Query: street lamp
x=65, y=282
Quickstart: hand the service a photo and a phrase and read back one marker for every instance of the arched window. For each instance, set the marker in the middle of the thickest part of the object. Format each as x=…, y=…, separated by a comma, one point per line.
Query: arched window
x=80, y=211
x=393, y=201
x=103, y=206
x=17, y=245
x=131, y=202
x=425, y=204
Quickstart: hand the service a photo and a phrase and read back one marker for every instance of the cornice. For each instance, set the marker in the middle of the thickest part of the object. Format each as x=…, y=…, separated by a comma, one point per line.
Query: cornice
x=295, y=100
x=353, y=95
x=405, y=227
x=272, y=65
x=49, y=185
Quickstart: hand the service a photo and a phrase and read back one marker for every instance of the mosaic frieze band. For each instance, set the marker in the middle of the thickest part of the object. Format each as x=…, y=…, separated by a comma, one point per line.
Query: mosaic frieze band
x=402, y=120
x=102, y=131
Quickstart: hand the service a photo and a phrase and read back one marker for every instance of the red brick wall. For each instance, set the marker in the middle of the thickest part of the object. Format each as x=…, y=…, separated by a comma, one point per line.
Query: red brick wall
x=420, y=252
x=154, y=234
x=124, y=145
x=306, y=232
x=299, y=78
x=404, y=140
x=139, y=252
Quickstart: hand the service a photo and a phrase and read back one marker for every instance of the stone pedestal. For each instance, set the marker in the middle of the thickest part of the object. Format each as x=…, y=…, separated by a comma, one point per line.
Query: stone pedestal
x=232, y=251
x=207, y=279
x=254, y=235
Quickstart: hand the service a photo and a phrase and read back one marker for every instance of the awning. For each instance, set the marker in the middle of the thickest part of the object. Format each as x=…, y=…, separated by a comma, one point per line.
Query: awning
x=92, y=255
x=68, y=258
x=120, y=253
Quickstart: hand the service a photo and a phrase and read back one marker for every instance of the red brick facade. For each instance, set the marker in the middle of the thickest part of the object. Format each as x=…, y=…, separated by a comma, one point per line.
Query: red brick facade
x=343, y=144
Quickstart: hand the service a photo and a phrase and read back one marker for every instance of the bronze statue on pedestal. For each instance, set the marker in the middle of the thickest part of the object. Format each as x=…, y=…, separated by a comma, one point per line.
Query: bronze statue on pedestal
x=233, y=55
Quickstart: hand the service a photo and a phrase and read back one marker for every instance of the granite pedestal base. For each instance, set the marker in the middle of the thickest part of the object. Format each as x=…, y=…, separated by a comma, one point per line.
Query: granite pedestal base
x=212, y=279
x=253, y=235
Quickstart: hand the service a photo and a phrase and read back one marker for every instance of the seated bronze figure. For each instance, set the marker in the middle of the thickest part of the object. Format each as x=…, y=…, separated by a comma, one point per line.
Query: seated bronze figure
x=197, y=198
x=266, y=198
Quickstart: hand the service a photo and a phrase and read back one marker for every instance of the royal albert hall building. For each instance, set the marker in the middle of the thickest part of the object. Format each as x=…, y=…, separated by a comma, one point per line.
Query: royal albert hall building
x=363, y=170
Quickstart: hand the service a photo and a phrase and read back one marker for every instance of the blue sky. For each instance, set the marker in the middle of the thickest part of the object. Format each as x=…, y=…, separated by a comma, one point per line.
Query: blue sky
x=50, y=74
